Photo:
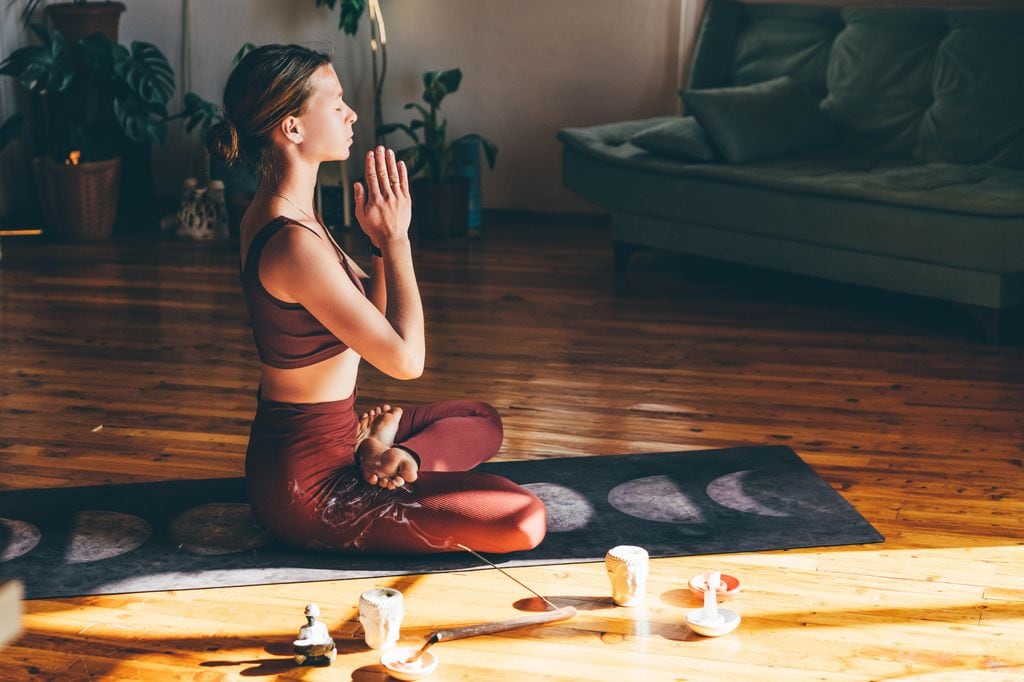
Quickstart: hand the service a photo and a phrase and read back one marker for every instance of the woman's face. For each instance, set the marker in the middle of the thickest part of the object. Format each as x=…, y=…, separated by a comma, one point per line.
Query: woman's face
x=327, y=121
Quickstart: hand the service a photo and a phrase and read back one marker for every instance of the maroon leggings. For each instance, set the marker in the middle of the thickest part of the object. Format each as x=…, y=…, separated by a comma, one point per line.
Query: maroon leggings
x=303, y=484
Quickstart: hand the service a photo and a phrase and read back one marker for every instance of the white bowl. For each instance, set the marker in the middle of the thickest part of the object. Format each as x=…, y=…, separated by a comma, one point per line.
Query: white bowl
x=392, y=658
x=730, y=620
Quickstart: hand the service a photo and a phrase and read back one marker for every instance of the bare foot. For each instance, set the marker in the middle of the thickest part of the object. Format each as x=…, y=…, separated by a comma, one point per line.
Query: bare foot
x=380, y=462
x=366, y=421
x=385, y=426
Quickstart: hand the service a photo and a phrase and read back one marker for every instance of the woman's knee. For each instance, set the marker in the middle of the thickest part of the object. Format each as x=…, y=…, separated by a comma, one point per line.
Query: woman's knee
x=526, y=527
x=490, y=415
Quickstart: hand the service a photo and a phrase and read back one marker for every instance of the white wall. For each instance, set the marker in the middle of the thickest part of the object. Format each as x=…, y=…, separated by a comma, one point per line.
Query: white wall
x=530, y=67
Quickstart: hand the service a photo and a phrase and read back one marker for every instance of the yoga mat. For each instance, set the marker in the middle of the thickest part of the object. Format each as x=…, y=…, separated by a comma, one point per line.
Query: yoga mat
x=198, y=533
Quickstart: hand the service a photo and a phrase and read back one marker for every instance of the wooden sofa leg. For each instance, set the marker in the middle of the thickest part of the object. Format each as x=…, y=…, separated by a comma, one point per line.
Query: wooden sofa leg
x=994, y=322
x=621, y=253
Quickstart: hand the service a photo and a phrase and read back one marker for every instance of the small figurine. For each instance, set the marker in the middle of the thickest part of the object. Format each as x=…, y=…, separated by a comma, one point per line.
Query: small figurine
x=314, y=645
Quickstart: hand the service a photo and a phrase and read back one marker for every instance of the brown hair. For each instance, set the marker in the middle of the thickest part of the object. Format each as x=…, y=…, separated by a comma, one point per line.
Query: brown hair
x=270, y=83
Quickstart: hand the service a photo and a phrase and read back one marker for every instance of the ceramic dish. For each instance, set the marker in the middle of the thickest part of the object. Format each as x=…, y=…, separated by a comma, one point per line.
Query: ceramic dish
x=392, y=662
x=730, y=620
x=728, y=586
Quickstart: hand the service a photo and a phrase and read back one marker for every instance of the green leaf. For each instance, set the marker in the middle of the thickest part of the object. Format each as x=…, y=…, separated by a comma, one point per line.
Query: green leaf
x=27, y=11
x=11, y=130
x=418, y=107
x=450, y=79
x=40, y=68
x=389, y=128
x=490, y=149
x=137, y=121
x=413, y=157
x=147, y=73
x=200, y=112
x=437, y=84
x=351, y=13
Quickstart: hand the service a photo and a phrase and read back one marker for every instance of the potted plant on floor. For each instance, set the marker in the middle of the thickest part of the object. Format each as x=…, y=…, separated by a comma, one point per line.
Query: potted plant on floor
x=441, y=198
x=95, y=102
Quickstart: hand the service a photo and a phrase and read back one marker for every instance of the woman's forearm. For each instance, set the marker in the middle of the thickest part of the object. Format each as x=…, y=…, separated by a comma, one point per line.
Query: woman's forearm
x=377, y=286
x=404, y=308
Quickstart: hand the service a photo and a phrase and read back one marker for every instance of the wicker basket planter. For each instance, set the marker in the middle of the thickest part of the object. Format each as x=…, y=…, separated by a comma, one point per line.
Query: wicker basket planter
x=80, y=202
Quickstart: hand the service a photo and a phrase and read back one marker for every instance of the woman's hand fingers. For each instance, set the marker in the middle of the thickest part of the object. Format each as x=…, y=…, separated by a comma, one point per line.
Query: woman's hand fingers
x=371, y=176
x=394, y=178
x=360, y=196
x=383, y=178
x=403, y=177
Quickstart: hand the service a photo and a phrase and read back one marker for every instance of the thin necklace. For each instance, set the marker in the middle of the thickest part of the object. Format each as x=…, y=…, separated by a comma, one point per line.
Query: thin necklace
x=328, y=232
x=275, y=194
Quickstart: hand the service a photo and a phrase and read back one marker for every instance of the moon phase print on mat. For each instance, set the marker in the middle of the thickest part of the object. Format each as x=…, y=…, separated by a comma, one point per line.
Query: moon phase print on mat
x=98, y=535
x=755, y=491
x=17, y=538
x=218, y=528
x=655, y=498
x=567, y=509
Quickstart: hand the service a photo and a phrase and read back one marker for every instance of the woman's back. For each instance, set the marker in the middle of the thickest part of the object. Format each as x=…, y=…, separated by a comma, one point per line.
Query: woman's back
x=302, y=360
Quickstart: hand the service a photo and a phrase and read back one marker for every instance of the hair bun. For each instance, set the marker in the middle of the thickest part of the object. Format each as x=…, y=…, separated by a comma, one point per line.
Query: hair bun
x=222, y=140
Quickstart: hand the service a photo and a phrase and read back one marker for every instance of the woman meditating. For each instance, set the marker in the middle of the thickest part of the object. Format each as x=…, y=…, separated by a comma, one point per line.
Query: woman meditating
x=317, y=475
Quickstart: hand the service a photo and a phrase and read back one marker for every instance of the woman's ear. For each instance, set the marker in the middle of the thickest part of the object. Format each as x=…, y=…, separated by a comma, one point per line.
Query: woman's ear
x=292, y=129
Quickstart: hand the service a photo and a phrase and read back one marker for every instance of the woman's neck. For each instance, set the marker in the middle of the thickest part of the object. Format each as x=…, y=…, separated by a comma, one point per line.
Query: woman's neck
x=297, y=184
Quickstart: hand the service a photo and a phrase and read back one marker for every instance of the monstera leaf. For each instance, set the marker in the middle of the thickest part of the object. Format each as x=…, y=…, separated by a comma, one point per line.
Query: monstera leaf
x=137, y=121
x=40, y=68
x=199, y=112
x=146, y=72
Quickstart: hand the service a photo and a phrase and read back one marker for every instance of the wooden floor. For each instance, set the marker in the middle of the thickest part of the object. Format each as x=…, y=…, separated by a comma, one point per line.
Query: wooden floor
x=891, y=399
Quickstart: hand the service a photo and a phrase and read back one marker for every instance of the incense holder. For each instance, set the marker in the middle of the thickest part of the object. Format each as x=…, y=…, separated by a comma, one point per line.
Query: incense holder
x=726, y=622
x=393, y=661
x=727, y=587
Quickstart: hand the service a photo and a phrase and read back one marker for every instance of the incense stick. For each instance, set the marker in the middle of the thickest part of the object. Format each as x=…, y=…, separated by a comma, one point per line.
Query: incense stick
x=508, y=575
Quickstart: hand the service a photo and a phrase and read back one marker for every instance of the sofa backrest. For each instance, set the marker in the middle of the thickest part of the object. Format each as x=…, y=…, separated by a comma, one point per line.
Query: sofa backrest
x=939, y=84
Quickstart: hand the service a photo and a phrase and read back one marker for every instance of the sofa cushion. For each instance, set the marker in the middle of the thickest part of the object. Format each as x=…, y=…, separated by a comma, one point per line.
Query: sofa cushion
x=879, y=76
x=874, y=176
x=978, y=83
x=752, y=122
x=681, y=138
x=785, y=40
x=943, y=84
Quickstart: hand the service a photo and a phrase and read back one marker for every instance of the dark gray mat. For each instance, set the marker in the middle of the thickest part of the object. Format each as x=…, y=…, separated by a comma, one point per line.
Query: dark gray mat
x=194, y=533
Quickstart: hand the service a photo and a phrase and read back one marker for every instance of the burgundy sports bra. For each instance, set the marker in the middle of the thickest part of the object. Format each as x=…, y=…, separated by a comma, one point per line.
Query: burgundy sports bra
x=287, y=335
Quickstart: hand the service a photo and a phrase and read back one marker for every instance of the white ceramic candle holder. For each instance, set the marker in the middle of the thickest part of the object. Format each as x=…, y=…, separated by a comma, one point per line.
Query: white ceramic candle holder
x=380, y=613
x=627, y=567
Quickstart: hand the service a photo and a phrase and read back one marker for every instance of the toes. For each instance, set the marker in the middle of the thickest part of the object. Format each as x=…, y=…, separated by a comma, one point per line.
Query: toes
x=408, y=472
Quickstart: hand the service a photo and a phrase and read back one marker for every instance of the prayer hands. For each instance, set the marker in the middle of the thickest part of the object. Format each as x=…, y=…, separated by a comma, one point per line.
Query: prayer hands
x=384, y=206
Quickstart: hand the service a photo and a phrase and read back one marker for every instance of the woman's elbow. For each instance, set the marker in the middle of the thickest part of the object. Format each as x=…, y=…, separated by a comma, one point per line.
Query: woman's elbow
x=411, y=368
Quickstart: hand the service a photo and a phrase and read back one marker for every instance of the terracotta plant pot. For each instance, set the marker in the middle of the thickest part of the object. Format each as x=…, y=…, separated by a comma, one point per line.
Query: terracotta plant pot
x=80, y=202
x=441, y=209
x=81, y=21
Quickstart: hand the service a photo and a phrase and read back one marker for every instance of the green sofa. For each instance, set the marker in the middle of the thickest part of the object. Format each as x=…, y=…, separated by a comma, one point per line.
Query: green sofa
x=921, y=192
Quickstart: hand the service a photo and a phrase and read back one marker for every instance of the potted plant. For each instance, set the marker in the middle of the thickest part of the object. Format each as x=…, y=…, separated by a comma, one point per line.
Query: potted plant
x=441, y=198
x=79, y=18
x=96, y=102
